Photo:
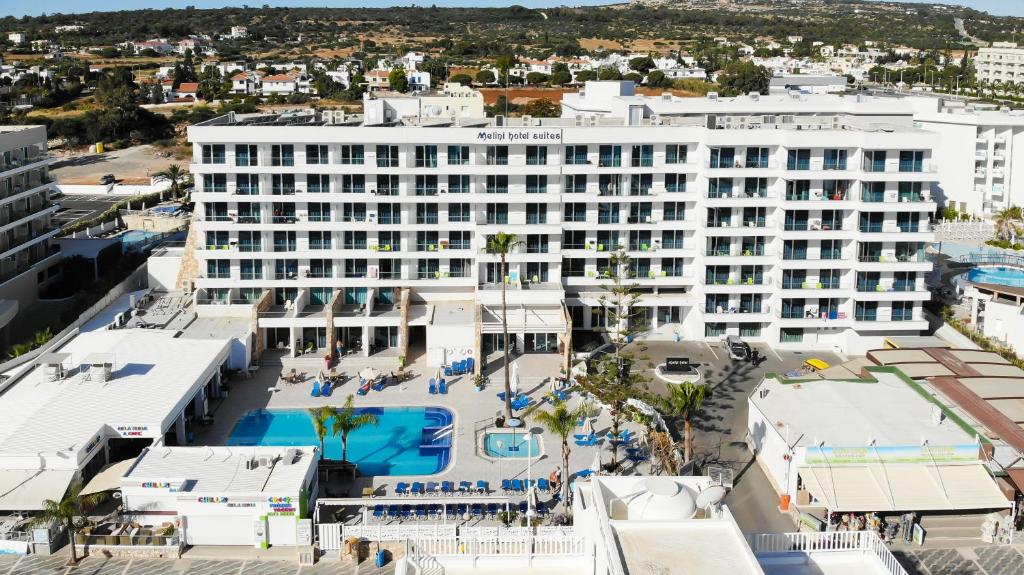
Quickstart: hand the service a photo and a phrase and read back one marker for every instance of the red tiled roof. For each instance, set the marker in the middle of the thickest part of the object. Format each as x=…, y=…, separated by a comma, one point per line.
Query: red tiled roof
x=188, y=87
x=280, y=78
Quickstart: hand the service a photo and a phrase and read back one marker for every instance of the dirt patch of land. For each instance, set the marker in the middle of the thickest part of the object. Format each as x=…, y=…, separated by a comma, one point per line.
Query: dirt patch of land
x=591, y=44
x=554, y=94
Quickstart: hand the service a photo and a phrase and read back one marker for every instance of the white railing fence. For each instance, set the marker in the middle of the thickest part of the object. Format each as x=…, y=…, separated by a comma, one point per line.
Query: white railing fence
x=823, y=542
x=952, y=231
x=449, y=540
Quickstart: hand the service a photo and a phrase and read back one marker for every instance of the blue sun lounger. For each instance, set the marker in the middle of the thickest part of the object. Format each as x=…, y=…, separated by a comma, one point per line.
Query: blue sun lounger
x=477, y=510
x=401, y=488
x=492, y=510
x=465, y=487
x=587, y=441
x=506, y=485
x=325, y=390
x=380, y=385
x=442, y=387
x=481, y=486
x=523, y=507
x=393, y=512
x=469, y=365
x=406, y=512
x=517, y=485
x=421, y=511
x=378, y=511
x=447, y=487
x=432, y=386
x=584, y=473
x=316, y=388
x=417, y=488
x=543, y=485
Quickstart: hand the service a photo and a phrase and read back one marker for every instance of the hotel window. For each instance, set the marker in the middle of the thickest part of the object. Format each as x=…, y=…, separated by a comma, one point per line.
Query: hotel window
x=319, y=240
x=675, y=183
x=911, y=161
x=218, y=269
x=249, y=213
x=389, y=214
x=675, y=154
x=497, y=185
x=246, y=155
x=642, y=156
x=756, y=158
x=426, y=156
x=672, y=267
x=350, y=154
x=282, y=184
x=607, y=213
x=426, y=241
x=573, y=239
x=354, y=212
x=426, y=185
x=575, y=212
x=714, y=329
x=672, y=239
x=675, y=211
x=723, y=158
x=874, y=160
x=537, y=272
x=536, y=213
x=458, y=184
x=316, y=154
x=798, y=190
x=282, y=155
x=251, y=269
x=640, y=184
x=902, y=311
x=497, y=214
x=213, y=154
x=459, y=240
x=575, y=155
x=426, y=213
x=536, y=184
x=353, y=183
x=835, y=159
x=214, y=183
x=318, y=184
x=387, y=185
x=537, y=244
x=319, y=212
x=639, y=213
x=497, y=155
x=575, y=184
x=719, y=187
x=387, y=156
x=459, y=212
x=458, y=155
x=536, y=155
x=247, y=184
x=389, y=241
x=791, y=334
x=798, y=159
x=574, y=267
x=428, y=269
x=610, y=156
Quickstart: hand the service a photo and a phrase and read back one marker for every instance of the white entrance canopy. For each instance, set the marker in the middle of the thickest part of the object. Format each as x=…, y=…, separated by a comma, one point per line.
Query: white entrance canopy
x=26, y=489
x=880, y=487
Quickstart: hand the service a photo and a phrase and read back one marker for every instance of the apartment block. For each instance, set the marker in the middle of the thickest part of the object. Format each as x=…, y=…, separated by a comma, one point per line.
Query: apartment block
x=29, y=261
x=798, y=221
x=1003, y=62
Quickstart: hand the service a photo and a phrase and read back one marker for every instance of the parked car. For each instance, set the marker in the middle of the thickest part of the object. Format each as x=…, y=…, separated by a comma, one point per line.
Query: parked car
x=738, y=349
x=107, y=180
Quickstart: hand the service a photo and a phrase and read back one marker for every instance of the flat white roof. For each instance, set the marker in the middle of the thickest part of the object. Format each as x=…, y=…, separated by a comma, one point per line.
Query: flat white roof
x=695, y=547
x=852, y=413
x=154, y=374
x=222, y=469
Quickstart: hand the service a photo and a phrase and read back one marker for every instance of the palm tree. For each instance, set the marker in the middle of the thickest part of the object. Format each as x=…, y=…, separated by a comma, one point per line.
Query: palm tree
x=173, y=174
x=560, y=421
x=347, y=420
x=1006, y=222
x=321, y=417
x=684, y=400
x=501, y=245
x=68, y=512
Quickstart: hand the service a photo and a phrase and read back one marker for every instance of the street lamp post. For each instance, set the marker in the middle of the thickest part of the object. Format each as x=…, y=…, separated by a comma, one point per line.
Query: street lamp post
x=529, y=476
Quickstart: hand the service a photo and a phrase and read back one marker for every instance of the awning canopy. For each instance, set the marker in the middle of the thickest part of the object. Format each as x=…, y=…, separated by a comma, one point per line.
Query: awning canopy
x=109, y=479
x=880, y=487
x=26, y=489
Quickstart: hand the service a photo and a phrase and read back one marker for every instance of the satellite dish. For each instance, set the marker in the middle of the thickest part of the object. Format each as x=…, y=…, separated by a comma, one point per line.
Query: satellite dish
x=711, y=496
x=434, y=110
x=116, y=495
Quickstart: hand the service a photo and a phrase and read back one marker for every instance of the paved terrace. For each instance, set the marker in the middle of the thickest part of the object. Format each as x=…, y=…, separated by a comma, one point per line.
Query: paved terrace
x=473, y=410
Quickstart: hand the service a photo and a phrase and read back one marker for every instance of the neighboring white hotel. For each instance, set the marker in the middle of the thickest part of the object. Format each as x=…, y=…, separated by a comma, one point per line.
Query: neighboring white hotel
x=796, y=220
x=1003, y=62
x=28, y=261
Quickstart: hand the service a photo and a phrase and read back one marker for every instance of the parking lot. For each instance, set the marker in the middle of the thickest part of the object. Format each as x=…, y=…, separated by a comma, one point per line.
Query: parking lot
x=720, y=429
x=82, y=207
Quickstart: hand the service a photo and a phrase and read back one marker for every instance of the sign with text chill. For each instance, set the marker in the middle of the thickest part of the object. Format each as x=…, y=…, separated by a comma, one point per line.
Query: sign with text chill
x=519, y=136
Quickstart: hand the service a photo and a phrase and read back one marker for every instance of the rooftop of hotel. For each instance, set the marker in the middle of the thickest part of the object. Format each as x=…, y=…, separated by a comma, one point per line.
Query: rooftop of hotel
x=224, y=469
x=884, y=408
x=148, y=385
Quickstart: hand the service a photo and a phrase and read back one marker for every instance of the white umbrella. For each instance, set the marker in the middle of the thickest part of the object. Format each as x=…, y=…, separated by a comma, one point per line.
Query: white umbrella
x=531, y=498
x=596, y=465
x=554, y=384
x=437, y=374
x=514, y=380
x=588, y=427
x=369, y=373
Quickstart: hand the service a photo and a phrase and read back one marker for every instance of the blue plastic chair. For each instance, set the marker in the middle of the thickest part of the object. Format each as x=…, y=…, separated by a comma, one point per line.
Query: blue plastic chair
x=481, y=486
x=447, y=487
x=401, y=488
x=492, y=509
x=461, y=509
x=543, y=484
x=523, y=507
x=406, y=512
x=378, y=511
x=469, y=365
x=442, y=387
x=448, y=371
x=432, y=487
x=465, y=487
x=477, y=510
x=506, y=485
x=316, y=388
x=517, y=485
x=325, y=389
x=393, y=511
x=417, y=488
x=421, y=511
x=432, y=386
x=462, y=366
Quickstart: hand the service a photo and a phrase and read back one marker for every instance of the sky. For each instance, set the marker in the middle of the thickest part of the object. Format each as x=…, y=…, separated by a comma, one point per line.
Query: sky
x=21, y=8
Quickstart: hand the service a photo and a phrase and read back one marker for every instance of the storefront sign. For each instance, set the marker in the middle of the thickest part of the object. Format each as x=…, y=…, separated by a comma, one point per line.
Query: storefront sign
x=212, y=500
x=157, y=485
x=132, y=430
x=242, y=504
x=677, y=364
x=519, y=136
x=281, y=505
x=891, y=454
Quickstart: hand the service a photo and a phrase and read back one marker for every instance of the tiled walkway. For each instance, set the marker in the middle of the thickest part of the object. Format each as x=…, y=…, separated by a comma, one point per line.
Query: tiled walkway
x=995, y=560
x=57, y=565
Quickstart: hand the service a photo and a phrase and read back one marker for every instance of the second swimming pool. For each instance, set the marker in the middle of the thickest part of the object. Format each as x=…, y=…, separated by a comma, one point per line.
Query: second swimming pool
x=406, y=440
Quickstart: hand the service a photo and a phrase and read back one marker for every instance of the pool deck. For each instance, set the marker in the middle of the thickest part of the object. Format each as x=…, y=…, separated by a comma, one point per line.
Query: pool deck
x=473, y=411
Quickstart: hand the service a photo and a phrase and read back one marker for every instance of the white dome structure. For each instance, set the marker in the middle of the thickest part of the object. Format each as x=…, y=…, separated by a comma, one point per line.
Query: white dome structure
x=657, y=499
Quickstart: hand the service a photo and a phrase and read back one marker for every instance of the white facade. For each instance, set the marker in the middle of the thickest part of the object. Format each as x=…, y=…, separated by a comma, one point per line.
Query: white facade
x=723, y=223
x=252, y=496
x=1003, y=62
x=979, y=154
x=28, y=258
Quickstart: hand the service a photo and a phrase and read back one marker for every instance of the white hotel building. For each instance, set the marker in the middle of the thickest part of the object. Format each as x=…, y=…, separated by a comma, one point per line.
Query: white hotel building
x=799, y=221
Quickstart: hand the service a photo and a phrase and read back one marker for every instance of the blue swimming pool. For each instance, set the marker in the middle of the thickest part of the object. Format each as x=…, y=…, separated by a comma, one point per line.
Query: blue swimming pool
x=511, y=445
x=997, y=275
x=406, y=440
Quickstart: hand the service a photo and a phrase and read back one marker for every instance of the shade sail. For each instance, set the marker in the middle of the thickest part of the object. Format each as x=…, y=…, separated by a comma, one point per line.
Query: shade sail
x=880, y=487
x=26, y=489
x=109, y=479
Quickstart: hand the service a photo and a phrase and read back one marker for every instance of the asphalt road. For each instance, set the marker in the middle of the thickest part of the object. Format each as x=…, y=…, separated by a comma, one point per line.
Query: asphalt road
x=76, y=207
x=720, y=430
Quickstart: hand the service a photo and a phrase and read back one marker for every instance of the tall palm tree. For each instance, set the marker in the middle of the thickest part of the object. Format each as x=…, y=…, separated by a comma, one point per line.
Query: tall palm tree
x=68, y=512
x=321, y=418
x=1006, y=223
x=684, y=400
x=173, y=174
x=502, y=244
x=347, y=420
x=560, y=421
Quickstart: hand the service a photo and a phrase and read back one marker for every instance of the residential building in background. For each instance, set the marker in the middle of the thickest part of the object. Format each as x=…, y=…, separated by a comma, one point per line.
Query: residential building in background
x=798, y=221
x=29, y=262
x=999, y=63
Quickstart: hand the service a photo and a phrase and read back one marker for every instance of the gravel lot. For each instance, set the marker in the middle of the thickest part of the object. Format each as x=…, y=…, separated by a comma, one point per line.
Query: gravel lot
x=130, y=166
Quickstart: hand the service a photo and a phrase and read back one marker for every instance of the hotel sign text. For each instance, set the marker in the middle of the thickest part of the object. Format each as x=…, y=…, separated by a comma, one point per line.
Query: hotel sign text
x=519, y=136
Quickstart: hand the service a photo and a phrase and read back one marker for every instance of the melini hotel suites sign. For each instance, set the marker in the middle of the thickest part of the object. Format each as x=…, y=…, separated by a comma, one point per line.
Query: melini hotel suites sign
x=519, y=136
